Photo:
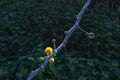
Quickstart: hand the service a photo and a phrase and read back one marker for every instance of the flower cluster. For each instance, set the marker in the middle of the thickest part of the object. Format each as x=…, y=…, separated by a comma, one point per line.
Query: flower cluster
x=48, y=51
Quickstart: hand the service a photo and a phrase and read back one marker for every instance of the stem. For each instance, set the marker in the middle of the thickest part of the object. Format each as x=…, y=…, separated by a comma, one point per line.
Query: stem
x=70, y=31
x=83, y=30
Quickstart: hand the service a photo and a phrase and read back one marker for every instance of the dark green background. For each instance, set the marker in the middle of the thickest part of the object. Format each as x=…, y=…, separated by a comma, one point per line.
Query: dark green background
x=28, y=26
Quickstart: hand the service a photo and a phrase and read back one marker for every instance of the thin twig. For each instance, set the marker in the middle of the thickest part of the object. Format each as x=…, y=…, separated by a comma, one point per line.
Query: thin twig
x=68, y=34
x=83, y=30
x=54, y=45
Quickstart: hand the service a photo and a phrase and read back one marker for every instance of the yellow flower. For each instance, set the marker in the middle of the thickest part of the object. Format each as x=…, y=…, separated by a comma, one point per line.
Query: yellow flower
x=51, y=60
x=49, y=50
x=41, y=59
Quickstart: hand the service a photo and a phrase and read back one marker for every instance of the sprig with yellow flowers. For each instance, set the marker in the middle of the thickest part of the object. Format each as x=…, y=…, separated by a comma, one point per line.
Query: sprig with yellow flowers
x=51, y=53
x=48, y=51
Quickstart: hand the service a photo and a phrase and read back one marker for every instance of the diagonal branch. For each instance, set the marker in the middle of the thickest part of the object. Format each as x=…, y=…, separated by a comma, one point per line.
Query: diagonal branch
x=68, y=34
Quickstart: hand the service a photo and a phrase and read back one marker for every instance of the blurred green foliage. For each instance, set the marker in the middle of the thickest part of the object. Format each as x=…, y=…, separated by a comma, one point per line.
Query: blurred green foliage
x=28, y=26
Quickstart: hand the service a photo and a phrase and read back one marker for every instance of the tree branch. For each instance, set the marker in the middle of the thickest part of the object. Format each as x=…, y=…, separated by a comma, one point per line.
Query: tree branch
x=63, y=44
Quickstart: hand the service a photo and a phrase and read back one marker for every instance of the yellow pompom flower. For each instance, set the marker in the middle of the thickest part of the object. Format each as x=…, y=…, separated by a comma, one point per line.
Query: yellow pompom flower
x=41, y=59
x=49, y=50
x=51, y=60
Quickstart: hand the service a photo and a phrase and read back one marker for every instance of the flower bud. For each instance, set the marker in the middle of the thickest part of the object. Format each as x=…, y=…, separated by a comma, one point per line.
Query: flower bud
x=53, y=40
x=91, y=35
x=41, y=59
x=51, y=60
